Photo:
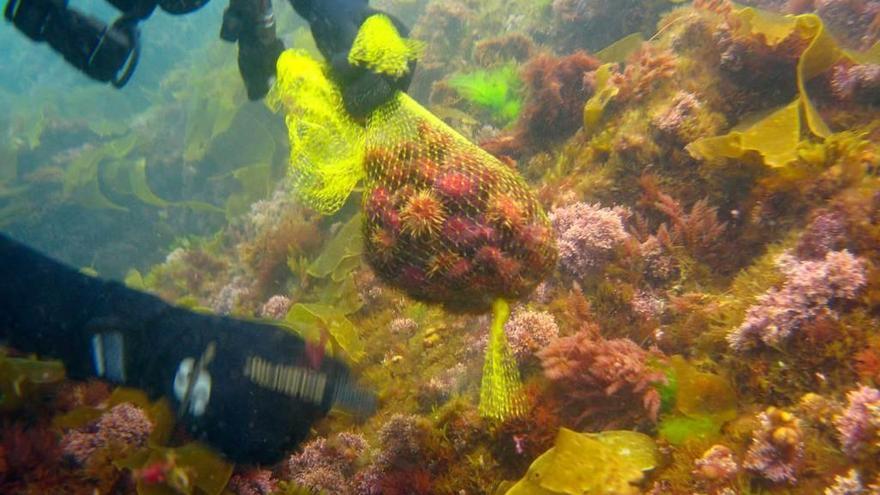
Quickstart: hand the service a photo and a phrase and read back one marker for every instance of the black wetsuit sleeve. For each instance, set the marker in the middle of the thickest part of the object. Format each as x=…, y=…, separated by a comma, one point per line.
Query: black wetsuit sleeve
x=263, y=392
x=46, y=306
x=55, y=311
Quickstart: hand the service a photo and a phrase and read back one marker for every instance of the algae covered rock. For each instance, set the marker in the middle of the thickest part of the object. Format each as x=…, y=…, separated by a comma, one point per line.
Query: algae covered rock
x=22, y=378
x=699, y=403
x=605, y=463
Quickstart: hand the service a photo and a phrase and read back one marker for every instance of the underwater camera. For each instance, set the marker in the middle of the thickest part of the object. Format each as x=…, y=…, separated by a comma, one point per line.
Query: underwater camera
x=106, y=53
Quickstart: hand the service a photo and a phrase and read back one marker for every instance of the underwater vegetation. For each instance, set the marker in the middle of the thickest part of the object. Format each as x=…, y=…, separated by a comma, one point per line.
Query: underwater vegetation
x=493, y=90
x=710, y=325
x=178, y=159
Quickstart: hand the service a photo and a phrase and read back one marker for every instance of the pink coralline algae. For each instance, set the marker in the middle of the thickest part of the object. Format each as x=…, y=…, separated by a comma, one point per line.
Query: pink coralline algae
x=853, y=21
x=858, y=426
x=401, y=452
x=810, y=290
x=826, y=232
x=777, y=449
x=587, y=236
x=276, y=307
x=530, y=331
x=716, y=465
x=591, y=369
x=123, y=427
x=327, y=465
x=659, y=264
x=401, y=439
x=440, y=388
x=851, y=484
x=647, y=305
x=225, y=301
x=253, y=482
x=858, y=83
x=675, y=120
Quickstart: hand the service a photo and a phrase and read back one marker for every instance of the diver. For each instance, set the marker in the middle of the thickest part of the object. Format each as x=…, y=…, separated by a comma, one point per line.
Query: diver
x=110, y=53
x=248, y=388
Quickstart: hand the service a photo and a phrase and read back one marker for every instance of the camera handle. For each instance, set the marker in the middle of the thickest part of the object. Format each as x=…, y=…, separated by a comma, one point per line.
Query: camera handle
x=128, y=25
x=104, y=53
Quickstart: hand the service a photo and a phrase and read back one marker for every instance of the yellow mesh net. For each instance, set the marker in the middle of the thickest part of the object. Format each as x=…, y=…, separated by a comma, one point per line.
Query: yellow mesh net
x=444, y=221
x=326, y=145
x=500, y=389
x=380, y=48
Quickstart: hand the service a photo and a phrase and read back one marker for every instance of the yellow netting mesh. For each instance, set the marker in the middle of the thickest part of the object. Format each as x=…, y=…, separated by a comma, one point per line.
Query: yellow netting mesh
x=443, y=220
x=501, y=393
x=326, y=145
x=379, y=47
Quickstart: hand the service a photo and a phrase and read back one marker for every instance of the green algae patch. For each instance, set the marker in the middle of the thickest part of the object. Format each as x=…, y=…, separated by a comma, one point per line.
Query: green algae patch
x=8, y=164
x=605, y=91
x=21, y=378
x=209, y=112
x=606, y=463
x=701, y=393
x=703, y=402
x=114, y=166
x=497, y=91
x=255, y=180
x=774, y=138
x=337, y=298
x=820, y=55
x=135, y=280
x=81, y=182
x=680, y=429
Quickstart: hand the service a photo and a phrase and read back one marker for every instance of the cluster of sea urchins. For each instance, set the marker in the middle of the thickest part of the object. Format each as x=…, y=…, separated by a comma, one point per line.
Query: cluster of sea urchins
x=449, y=224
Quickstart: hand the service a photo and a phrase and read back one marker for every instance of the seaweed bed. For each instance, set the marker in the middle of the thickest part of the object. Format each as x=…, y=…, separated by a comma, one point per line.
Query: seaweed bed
x=713, y=186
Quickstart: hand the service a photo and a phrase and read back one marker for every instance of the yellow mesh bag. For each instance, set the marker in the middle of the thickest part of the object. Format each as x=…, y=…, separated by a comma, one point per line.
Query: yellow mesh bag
x=379, y=47
x=326, y=144
x=444, y=221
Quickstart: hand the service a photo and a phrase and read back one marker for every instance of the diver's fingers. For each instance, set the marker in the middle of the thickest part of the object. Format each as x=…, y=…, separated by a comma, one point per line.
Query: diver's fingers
x=366, y=93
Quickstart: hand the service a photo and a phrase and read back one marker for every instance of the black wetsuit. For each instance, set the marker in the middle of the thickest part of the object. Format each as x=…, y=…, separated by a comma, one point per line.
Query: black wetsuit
x=101, y=328
x=263, y=395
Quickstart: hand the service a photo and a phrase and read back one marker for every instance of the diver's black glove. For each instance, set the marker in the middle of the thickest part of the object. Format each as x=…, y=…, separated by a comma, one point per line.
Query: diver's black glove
x=252, y=24
x=334, y=25
x=364, y=90
x=247, y=388
x=256, y=64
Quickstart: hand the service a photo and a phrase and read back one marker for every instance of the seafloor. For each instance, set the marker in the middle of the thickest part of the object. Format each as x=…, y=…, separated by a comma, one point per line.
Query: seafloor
x=713, y=189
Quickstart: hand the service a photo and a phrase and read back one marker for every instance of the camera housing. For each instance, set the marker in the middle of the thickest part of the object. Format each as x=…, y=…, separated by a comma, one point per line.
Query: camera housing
x=106, y=53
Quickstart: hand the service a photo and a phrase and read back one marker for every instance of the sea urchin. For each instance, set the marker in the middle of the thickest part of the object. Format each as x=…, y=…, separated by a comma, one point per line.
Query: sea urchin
x=422, y=214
